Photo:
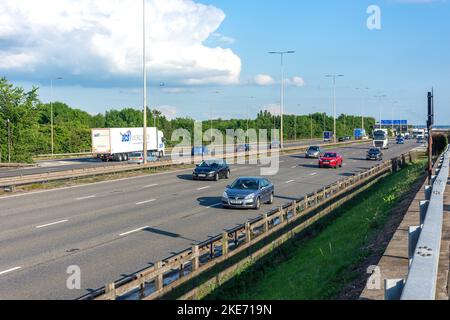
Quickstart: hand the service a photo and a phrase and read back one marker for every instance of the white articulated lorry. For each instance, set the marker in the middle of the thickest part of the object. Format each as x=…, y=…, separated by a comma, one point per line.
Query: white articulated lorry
x=115, y=144
x=381, y=138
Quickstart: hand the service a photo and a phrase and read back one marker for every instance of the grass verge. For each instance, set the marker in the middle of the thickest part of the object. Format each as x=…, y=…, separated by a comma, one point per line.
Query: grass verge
x=320, y=265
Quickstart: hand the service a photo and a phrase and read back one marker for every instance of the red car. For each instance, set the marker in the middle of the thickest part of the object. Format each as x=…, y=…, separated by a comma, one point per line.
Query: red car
x=331, y=159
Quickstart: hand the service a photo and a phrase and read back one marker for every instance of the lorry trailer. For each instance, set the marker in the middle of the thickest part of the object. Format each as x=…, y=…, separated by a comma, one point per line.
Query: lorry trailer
x=115, y=144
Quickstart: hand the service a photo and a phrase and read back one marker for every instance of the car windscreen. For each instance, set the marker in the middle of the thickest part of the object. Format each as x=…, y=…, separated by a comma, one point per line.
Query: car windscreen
x=374, y=151
x=205, y=164
x=245, y=184
x=329, y=155
x=314, y=148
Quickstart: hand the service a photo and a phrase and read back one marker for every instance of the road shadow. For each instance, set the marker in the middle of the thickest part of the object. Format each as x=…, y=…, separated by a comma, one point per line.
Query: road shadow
x=286, y=198
x=167, y=234
x=309, y=166
x=186, y=177
x=210, y=201
x=346, y=174
x=299, y=157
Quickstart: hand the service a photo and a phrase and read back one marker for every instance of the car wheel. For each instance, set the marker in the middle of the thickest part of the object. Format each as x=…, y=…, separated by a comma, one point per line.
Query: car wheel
x=119, y=158
x=270, y=199
x=320, y=166
x=227, y=176
x=257, y=204
x=216, y=177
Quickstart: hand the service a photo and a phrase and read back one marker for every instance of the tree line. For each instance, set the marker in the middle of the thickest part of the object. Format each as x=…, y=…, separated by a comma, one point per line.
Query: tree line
x=25, y=124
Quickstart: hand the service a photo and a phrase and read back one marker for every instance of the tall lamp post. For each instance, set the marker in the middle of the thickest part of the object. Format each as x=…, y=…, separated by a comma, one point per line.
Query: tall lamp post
x=363, y=104
x=334, y=76
x=51, y=112
x=379, y=97
x=9, y=140
x=281, y=54
x=144, y=75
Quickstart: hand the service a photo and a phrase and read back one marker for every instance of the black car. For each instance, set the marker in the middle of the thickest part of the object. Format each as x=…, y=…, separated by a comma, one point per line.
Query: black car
x=374, y=154
x=341, y=139
x=211, y=170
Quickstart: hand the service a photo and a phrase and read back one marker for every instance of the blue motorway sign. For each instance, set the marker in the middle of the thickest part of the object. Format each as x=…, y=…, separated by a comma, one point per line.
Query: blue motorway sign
x=394, y=122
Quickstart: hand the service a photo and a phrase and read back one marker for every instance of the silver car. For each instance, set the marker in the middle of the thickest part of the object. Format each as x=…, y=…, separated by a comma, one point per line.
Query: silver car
x=248, y=193
x=313, y=152
x=138, y=157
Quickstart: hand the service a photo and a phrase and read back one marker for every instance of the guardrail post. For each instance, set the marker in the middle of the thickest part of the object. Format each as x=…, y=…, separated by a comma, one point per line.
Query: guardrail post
x=393, y=289
x=110, y=291
x=159, y=278
x=195, y=258
x=266, y=222
x=248, y=235
x=306, y=201
x=282, y=212
x=413, y=238
x=224, y=243
x=423, y=206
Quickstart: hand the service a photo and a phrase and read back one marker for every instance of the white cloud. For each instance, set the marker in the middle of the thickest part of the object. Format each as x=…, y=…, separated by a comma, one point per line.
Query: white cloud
x=273, y=108
x=264, y=80
x=222, y=38
x=101, y=40
x=169, y=112
x=295, y=81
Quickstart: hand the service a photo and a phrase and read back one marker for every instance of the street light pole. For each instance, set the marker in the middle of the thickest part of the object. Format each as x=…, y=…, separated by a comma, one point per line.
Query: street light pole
x=51, y=112
x=144, y=71
x=379, y=105
x=9, y=140
x=282, y=53
x=334, y=76
x=363, y=105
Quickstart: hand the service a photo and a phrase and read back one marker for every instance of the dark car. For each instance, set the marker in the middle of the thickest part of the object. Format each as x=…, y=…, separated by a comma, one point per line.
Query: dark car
x=331, y=160
x=211, y=170
x=374, y=154
x=341, y=139
x=248, y=193
x=400, y=140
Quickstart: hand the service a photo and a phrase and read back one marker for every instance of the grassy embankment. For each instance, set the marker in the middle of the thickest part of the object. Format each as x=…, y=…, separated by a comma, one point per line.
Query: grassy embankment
x=320, y=265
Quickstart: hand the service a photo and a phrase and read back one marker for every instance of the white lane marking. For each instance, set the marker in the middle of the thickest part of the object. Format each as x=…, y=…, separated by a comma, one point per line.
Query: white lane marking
x=200, y=189
x=51, y=224
x=144, y=202
x=313, y=174
x=133, y=231
x=290, y=181
x=282, y=161
x=85, y=198
x=293, y=167
x=9, y=270
x=94, y=184
x=150, y=186
x=215, y=205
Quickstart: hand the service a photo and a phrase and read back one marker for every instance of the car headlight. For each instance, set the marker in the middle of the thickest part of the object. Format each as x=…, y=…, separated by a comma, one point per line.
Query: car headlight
x=250, y=196
x=225, y=195
x=212, y=172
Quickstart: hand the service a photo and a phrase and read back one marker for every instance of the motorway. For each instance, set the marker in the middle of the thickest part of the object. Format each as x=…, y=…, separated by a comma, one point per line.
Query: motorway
x=113, y=229
x=59, y=165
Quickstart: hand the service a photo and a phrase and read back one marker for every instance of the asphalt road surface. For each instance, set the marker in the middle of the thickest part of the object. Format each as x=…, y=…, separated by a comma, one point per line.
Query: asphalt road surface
x=113, y=229
x=60, y=165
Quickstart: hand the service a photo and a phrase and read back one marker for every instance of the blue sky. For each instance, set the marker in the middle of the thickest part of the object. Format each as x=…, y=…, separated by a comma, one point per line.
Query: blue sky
x=403, y=60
